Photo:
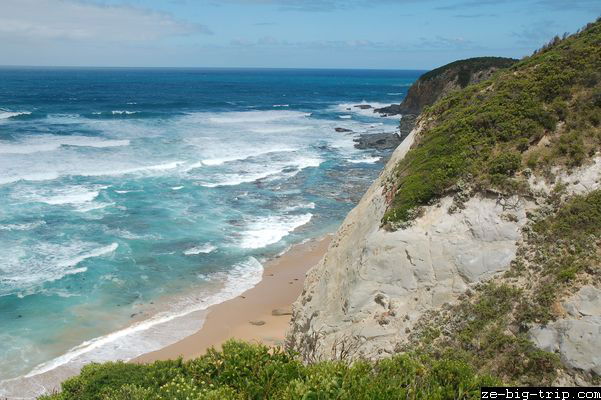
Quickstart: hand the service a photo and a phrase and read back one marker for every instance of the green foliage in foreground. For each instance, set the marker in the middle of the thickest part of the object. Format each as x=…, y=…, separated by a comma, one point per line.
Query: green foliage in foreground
x=245, y=371
x=487, y=133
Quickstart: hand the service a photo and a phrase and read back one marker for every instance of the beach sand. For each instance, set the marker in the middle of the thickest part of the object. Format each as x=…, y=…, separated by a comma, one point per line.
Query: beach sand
x=250, y=316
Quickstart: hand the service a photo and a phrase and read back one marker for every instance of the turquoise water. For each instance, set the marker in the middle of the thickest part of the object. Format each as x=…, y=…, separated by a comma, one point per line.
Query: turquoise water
x=132, y=196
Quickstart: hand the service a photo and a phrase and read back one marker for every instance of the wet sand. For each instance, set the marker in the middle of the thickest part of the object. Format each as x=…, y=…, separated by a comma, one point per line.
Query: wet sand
x=250, y=317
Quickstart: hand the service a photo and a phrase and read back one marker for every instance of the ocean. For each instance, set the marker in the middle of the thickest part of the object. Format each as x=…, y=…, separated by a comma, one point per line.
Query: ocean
x=130, y=198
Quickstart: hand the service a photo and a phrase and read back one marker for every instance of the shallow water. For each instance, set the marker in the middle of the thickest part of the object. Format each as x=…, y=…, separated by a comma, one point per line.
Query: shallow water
x=131, y=196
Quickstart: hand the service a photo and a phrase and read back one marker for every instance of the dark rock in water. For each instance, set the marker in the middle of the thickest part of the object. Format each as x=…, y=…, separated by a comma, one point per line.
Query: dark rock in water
x=363, y=106
x=342, y=130
x=393, y=109
x=378, y=141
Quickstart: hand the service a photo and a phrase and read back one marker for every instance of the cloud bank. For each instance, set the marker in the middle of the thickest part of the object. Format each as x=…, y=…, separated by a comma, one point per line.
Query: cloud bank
x=73, y=20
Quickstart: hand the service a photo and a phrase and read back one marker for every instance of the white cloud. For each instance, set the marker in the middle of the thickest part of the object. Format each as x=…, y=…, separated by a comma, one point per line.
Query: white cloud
x=76, y=20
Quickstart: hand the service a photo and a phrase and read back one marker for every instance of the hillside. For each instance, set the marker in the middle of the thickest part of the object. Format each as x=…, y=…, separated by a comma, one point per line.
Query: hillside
x=435, y=84
x=480, y=239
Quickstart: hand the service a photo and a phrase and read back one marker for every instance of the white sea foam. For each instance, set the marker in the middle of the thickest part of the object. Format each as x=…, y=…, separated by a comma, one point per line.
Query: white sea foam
x=135, y=170
x=281, y=105
x=202, y=249
x=261, y=172
x=264, y=231
x=243, y=117
x=25, y=269
x=123, y=112
x=44, y=143
x=22, y=227
x=58, y=196
x=366, y=160
x=162, y=329
x=94, y=253
x=368, y=112
x=4, y=114
x=345, y=116
x=177, y=188
x=248, y=153
x=300, y=206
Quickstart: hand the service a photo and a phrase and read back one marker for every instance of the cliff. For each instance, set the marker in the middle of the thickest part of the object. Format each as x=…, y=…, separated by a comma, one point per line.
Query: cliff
x=434, y=85
x=480, y=239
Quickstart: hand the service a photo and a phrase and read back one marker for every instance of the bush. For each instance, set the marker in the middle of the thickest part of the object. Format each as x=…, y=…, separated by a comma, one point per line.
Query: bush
x=246, y=371
x=475, y=132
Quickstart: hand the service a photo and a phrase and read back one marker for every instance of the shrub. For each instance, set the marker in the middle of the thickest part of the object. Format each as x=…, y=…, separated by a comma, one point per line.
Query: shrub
x=246, y=371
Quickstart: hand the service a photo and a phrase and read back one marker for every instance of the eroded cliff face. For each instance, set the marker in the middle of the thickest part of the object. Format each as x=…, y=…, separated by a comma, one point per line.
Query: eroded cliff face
x=373, y=286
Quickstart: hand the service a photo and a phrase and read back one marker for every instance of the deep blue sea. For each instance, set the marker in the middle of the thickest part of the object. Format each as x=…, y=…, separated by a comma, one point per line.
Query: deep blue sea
x=130, y=197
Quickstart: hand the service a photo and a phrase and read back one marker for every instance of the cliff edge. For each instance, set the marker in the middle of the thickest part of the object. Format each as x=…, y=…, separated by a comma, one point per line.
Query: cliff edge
x=480, y=238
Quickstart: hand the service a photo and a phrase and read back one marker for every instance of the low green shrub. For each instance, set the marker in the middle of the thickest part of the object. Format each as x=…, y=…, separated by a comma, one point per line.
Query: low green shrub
x=247, y=371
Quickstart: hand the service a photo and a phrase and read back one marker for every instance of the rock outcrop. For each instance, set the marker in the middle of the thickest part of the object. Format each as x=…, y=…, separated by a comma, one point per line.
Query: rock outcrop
x=373, y=285
x=576, y=337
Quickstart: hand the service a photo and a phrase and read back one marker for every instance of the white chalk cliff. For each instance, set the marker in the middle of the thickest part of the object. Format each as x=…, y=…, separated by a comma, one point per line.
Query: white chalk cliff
x=373, y=285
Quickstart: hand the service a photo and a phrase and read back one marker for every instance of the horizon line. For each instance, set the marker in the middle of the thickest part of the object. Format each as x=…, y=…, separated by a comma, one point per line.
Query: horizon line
x=6, y=66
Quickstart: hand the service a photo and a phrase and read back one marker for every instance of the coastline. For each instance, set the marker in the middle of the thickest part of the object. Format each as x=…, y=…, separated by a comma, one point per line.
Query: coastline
x=280, y=285
x=249, y=317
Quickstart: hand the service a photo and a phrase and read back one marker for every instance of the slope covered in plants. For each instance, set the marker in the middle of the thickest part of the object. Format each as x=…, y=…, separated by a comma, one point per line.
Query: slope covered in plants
x=542, y=112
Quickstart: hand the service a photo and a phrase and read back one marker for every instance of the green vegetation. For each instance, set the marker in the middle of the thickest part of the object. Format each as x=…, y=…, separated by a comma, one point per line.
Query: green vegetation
x=541, y=112
x=488, y=328
x=245, y=371
x=468, y=67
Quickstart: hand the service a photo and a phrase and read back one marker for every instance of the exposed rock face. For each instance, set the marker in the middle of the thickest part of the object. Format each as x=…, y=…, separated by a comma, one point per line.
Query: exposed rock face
x=576, y=337
x=373, y=285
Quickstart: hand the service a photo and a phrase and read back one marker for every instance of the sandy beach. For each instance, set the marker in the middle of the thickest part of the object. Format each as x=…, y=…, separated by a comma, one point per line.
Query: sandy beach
x=259, y=315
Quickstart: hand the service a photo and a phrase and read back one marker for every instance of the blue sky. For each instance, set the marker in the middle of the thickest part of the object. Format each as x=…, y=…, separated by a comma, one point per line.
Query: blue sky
x=397, y=34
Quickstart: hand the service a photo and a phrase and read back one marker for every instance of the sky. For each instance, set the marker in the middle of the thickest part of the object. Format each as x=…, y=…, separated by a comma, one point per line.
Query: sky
x=378, y=34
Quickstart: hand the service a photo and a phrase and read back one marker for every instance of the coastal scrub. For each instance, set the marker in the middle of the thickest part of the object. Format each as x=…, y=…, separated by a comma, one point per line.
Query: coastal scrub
x=542, y=112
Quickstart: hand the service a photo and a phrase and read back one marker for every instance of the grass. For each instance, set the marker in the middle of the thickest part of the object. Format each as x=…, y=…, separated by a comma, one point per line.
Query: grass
x=492, y=131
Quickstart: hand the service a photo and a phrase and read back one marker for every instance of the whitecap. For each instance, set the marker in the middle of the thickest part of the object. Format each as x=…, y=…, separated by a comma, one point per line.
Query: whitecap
x=264, y=231
x=345, y=116
x=367, y=112
x=45, y=143
x=301, y=206
x=244, y=117
x=123, y=112
x=4, y=114
x=202, y=249
x=22, y=227
x=25, y=269
x=366, y=160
